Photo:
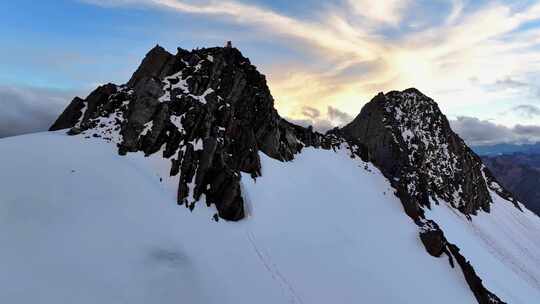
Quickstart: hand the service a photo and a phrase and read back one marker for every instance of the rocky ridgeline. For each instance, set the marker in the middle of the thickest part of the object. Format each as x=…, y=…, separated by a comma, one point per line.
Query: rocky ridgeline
x=209, y=110
x=412, y=143
x=408, y=138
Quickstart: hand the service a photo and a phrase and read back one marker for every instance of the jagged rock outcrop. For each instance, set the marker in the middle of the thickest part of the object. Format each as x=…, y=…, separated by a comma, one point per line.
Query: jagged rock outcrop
x=412, y=143
x=209, y=110
x=433, y=238
x=481, y=293
x=436, y=244
x=155, y=65
x=80, y=111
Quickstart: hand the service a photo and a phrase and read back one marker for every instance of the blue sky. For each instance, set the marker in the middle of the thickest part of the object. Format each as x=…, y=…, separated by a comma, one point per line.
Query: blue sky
x=74, y=45
x=478, y=59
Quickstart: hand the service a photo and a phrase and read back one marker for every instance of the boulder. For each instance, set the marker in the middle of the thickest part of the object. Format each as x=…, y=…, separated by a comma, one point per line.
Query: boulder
x=433, y=238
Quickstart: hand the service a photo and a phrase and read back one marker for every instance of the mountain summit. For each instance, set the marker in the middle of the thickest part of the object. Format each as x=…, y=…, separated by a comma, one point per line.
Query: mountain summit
x=391, y=208
x=412, y=143
x=211, y=110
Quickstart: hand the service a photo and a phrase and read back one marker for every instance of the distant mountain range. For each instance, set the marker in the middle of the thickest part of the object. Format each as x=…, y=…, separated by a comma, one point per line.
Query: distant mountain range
x=519, y=173
x=517, y=167
x=498, y=149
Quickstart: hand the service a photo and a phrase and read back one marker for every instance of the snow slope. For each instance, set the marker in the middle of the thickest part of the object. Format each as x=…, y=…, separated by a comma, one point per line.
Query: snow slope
x=503, y=246
x=80, y=224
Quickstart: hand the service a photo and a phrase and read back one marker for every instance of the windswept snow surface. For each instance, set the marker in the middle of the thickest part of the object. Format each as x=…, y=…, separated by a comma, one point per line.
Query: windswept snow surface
x=80, y=224
x=503, y=246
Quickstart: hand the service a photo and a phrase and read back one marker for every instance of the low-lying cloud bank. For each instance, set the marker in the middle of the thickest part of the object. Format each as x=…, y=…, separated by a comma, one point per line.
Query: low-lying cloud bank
x=484, y=132
x=29, y=109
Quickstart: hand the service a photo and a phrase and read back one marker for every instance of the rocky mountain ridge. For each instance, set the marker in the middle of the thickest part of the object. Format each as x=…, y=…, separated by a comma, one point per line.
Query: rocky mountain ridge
x=411, y=141
x=211, y=112
x=210, y=109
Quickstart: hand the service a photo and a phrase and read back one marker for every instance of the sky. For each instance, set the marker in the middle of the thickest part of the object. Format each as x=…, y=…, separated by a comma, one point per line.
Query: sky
x=323, y=59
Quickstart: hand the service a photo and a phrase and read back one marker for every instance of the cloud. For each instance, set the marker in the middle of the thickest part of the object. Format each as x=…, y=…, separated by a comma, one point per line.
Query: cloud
x=28, y=110
x=331, y=36
x=357, y=48
x=320, y=125
x=528, y=131
x=311, y=112
x=387, y=12
x=313, y=117
x=509, y=83
x=456, y=11
x=525, y=89
x=338, y=116
x=526, y=110
x=440, y=58
x=483, y=132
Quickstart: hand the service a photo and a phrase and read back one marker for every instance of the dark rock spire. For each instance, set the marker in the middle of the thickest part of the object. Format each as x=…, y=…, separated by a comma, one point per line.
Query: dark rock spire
x=411, y=141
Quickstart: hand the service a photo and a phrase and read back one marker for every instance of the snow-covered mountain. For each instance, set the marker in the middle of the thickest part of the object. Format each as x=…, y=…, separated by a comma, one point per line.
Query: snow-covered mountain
x=392, y=208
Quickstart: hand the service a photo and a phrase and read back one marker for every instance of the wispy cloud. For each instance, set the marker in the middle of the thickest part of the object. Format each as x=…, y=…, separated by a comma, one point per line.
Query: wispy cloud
x=455, y=43
x=527, y=110
x=333, y=117
x=509, y=83
x=456, y=11
x=387, y=12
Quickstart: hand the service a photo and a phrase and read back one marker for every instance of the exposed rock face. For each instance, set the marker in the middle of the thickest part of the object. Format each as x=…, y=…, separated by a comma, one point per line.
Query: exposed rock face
x=482, y=295
x=433, y=238
x=209, y=110
x=156, y=64
x=80, y=111
x=410, y=140
x=436, y=244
